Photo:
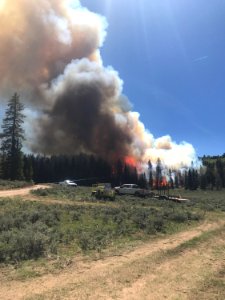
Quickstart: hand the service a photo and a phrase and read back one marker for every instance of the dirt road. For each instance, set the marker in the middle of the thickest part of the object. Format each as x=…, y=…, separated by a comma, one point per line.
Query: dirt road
x=160, y=269
x=21, y=192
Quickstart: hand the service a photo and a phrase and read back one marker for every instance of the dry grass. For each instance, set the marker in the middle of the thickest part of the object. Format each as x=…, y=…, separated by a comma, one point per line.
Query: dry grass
x=189, y=264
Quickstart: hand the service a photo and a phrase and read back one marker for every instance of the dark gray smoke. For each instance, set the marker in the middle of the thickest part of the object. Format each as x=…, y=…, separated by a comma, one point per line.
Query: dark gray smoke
x=82, y=117
x=49, y=53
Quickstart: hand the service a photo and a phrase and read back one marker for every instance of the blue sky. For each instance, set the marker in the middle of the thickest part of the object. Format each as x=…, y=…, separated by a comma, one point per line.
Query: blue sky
x=171, y=57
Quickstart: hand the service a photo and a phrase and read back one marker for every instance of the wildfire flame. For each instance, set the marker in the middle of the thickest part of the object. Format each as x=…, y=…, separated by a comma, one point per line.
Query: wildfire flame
x=130, y=161
x=164, y=182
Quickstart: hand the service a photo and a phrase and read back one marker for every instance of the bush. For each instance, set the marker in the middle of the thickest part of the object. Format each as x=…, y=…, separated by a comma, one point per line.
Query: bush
x=8, y=184
x=154, y=225
x=30, y=230
x=89, y=240
x=26, y=230
x=18, y=245
x=179, y=217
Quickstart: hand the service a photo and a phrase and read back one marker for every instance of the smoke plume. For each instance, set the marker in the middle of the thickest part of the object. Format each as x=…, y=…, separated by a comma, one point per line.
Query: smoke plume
x=50, y=54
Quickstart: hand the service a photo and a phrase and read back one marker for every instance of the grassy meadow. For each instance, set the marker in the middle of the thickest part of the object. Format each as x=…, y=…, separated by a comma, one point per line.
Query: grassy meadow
x=52, y=229
x=37, y=229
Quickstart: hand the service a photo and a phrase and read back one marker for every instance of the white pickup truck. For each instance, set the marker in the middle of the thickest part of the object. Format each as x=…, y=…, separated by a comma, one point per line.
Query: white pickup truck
x=131, y=189
x=68, y=182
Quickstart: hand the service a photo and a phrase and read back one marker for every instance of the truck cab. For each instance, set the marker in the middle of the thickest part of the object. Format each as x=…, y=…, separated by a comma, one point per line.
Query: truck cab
x=130, y=189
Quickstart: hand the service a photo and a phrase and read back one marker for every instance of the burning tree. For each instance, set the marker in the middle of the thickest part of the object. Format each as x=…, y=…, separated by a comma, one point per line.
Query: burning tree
x=12, y=137
x=158, y=174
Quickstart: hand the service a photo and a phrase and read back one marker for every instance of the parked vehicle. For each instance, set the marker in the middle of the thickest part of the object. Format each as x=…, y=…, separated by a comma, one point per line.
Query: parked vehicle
x=131, y=189
x=103, y=191
x=68, y=182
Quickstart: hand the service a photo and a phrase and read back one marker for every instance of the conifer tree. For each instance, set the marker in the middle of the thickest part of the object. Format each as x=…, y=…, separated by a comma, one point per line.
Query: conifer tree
x=158, y=174
x=202, y=178
x=28, y=168
x=142, y=181
x=220, y=172
x=186, y=181
x=171, y=182
x=176, y=179
x=12, y=137
x=119, y=172
x=150, y=174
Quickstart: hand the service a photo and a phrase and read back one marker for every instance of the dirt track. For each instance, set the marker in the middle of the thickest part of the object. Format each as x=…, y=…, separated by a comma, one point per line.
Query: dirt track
x=144, y=273
x=21, y=192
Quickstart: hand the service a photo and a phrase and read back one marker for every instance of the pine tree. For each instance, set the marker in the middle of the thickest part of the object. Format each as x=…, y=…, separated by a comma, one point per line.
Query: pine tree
x=171, y=182
x=12, y=137
x=202, y=178
x=28, y=168
x=210, y=175
x=218, y=180
x=176, y=179
x=119, y=172
x=186, y=180
x=142, y=181
x=158, y=174
x=150, y=174
x=220, y=172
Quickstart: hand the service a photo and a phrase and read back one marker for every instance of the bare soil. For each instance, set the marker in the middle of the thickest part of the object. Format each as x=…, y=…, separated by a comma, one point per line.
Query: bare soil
x=22, y=191
x=149, y=271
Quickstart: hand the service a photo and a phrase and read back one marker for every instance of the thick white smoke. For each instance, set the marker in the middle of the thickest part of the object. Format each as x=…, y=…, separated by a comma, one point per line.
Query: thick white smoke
x=50, y=53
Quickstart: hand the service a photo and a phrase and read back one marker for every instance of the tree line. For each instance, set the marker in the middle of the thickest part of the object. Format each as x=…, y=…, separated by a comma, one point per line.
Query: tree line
x=15, y=165
x=88, y=169
x=211, y=175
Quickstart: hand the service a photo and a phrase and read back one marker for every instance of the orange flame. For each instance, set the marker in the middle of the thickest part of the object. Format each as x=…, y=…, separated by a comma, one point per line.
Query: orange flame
x=164, y=182
x=131, y=161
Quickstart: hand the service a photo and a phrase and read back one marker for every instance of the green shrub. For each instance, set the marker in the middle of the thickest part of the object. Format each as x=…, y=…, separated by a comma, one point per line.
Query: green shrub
x=179, y=217
x=18, y=245
x=31, y=229
x=89, y=240
x=8, y=184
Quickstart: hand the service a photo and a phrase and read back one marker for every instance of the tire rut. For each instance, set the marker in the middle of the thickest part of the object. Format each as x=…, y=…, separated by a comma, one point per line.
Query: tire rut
x=97, y=279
